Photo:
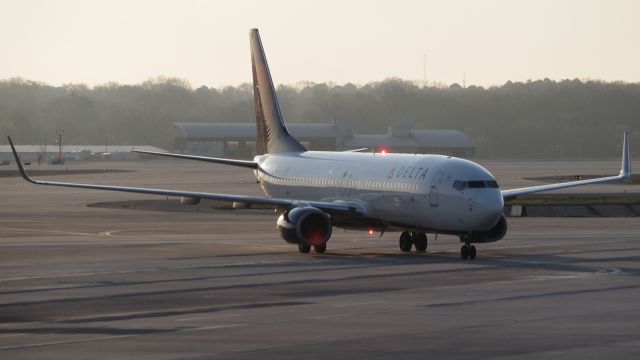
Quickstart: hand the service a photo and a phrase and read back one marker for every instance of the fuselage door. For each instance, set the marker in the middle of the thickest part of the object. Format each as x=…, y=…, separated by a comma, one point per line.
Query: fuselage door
x=343, y=187
x=433, y=189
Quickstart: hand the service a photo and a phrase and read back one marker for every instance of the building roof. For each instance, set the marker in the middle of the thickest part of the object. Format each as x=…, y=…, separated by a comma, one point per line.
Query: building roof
x=399, y=135
x=418, y=139
x=442, y=138
x=94, y=149
x=215, y=131
x=366, y=141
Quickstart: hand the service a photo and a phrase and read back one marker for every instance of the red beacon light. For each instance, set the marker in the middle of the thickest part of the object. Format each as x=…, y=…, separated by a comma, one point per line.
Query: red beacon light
x=384, y=150
x=371, y=231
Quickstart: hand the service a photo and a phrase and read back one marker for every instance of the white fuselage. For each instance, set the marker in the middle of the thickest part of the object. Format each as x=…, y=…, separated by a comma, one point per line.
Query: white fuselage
x=431, y=193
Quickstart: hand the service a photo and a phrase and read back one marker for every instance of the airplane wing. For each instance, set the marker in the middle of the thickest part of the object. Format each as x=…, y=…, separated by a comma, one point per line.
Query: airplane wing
x=625, y=173
x=329, y=207
x=241, y=163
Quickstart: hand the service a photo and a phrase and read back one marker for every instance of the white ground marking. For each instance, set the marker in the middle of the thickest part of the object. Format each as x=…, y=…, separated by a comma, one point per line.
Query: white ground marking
x=48, y=231
x=213, y=327
x=24, y=346
x=210, y=317
x=319, y=317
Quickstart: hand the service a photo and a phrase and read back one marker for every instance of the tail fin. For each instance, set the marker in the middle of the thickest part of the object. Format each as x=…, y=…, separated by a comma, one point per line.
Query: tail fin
x=273, y=136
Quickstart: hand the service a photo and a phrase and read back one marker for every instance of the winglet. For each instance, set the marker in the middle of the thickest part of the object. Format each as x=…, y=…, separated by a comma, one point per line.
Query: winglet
x=19, y=162
x=625, y=171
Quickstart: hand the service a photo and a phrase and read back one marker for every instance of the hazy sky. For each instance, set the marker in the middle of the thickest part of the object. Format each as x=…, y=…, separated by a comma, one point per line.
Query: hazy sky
x=207, y=42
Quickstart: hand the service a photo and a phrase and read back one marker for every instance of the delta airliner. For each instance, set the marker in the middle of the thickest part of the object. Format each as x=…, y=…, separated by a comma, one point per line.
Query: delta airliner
x=315, y=191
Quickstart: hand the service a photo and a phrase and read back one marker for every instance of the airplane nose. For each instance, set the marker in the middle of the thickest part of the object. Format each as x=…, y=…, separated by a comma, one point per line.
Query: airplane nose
x=488, y=208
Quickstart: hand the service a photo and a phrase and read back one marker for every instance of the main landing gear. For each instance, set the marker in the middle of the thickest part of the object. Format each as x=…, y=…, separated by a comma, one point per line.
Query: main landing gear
x=407, y=240
x=305, y=249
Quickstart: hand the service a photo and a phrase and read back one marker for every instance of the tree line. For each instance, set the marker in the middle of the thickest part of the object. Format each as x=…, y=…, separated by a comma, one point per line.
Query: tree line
x=542, y=119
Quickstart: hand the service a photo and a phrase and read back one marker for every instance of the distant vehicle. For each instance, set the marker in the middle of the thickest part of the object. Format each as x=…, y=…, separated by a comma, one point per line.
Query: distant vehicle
x=375, y=192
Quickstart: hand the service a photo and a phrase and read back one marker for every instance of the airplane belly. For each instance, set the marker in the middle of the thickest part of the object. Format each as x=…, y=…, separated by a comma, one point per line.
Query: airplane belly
x=399, y=208
x=450, y=214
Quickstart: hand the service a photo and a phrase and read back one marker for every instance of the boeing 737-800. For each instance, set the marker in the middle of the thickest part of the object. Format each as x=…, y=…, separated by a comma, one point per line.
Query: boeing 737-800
x=315, y=191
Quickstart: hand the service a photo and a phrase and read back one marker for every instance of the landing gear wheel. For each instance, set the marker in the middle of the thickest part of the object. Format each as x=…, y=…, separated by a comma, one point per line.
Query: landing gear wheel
x=304, y=248
x=464, y=252
x=320, y=249
x=420, y=241
x=405, y=241
x=472, y=252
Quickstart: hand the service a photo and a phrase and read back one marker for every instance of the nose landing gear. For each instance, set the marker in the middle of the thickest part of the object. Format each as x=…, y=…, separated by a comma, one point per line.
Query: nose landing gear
x=467, y=251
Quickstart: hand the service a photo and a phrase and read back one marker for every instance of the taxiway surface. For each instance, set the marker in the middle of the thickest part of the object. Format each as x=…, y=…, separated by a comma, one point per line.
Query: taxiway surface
x=80, y=282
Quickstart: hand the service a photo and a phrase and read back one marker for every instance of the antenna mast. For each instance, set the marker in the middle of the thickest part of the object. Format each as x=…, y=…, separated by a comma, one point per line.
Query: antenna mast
x=424, y=70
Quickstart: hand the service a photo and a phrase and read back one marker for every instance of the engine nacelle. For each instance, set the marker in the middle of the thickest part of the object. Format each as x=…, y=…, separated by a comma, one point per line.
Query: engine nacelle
x=305, y=225
x=497, y=232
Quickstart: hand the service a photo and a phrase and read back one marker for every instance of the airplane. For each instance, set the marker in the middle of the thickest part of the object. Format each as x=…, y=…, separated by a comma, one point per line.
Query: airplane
x=315, y=191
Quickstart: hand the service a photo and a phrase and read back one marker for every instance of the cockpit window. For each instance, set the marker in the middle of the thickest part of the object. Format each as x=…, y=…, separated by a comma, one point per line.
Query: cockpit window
x=492, y=184
x=460, y=185
x=474, y=184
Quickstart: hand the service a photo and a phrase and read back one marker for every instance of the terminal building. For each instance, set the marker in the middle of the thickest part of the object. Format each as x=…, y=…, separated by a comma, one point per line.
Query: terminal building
x=238, y=139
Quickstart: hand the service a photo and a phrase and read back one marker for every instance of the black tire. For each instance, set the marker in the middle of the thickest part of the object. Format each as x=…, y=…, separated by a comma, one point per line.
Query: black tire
x=464, y=252
x=320, y=249
x=405, y=241
x=304, y=249
x=420, y=241
x=472, y=252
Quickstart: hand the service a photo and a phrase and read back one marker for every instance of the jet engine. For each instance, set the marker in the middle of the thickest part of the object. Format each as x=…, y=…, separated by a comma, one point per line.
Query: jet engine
x=497, y=232
x=305, y=225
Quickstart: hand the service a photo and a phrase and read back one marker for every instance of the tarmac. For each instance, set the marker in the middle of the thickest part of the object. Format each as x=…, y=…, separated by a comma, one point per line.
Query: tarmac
x=129, y=282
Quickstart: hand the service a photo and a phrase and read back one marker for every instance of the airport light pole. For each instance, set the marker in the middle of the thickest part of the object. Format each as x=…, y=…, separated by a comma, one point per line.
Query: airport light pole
x=60, y=156
x=60, y=147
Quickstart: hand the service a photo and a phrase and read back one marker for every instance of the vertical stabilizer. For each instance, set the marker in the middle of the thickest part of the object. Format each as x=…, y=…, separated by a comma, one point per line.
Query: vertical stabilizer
x=273, y=136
